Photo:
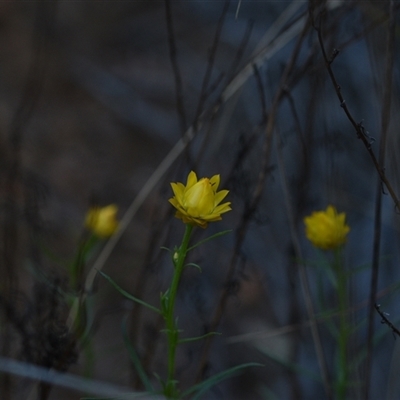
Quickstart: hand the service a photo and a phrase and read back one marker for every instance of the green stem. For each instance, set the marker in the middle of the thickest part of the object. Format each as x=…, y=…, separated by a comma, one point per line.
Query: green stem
x=343, y=326
x=172, y=331
x=78, y=265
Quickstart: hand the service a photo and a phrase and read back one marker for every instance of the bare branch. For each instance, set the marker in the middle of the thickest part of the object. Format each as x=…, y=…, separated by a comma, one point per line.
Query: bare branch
x=175, y=67
x=211, y=60
x=385, y=120
x=386, y=321
x=362, y=134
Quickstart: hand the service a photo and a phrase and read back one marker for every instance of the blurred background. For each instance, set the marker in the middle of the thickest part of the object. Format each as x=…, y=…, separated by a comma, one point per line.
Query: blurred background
x=102, y=100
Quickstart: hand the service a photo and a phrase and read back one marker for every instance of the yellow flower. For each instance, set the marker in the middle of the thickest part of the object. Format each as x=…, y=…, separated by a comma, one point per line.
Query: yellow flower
x=102, y=221
x=198, y=202
x=326, y=230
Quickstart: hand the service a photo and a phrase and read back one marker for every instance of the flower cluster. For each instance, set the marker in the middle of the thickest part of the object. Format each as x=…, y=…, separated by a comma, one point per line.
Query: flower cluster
x=102, y=221
x=326, y=230
x=198, y=202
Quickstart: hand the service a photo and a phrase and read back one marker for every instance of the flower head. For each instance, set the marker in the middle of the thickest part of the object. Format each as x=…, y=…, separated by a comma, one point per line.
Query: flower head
x=102, y=221
x=198, y=202
x=327, y=229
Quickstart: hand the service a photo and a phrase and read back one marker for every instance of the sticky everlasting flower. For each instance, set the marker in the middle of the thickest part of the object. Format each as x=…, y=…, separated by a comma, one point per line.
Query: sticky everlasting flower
x=198, y=202
x=102, y=221
x=327, y=229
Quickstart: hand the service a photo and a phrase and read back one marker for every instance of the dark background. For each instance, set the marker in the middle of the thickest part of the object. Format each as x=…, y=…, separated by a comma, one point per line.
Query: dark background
x=94, y=95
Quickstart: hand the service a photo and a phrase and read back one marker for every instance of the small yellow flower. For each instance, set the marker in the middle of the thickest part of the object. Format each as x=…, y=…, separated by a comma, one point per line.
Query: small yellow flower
x=326, y=230
x=198, y=202
x=102, y=221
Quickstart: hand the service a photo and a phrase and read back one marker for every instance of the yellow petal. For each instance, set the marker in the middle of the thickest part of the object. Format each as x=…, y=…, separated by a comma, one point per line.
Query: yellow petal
x=222, y=208
x=191, y=180
x=198, y=202
x=215, y=182
x=220, y=196
x=178, y=189
x=102, y=221
x=213, y=217
x=326, y=229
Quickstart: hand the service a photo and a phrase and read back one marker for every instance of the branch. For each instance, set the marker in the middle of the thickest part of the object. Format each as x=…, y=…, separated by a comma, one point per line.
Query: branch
x=386, y=321
x=358, y=126
x=385, y=121
x=177, y=74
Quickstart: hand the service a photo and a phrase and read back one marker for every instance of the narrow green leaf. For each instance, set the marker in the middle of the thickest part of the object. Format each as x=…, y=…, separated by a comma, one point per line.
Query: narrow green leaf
x=193, y=265
x=192, y=339
x=203, y=387
x=209, y=238
x=297, y=368
x=129, y=296
x=135, y=359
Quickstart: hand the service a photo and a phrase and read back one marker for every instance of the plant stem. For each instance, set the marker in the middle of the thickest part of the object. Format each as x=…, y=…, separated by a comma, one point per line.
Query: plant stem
x=170, y=390
x=86, y=244
x=342, y=378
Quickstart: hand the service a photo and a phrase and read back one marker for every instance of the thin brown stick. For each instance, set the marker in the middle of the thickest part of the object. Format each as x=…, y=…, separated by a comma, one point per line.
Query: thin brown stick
x=175, y=68
x=212, y=88
x=358, y=126
x=211, y=60
x=386, y=321
x=249, y=211
x=385, y=121
x=177, y=150
x=305, y=286
x=321, y=318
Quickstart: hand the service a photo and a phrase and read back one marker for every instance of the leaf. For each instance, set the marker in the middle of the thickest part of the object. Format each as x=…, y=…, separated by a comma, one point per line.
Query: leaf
x=297, y=368
x=193, y=265
x=135, y=359
x=129, y=296
x=164, y=298
x=203, y=387
x=192, y=339
x=209, y=238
